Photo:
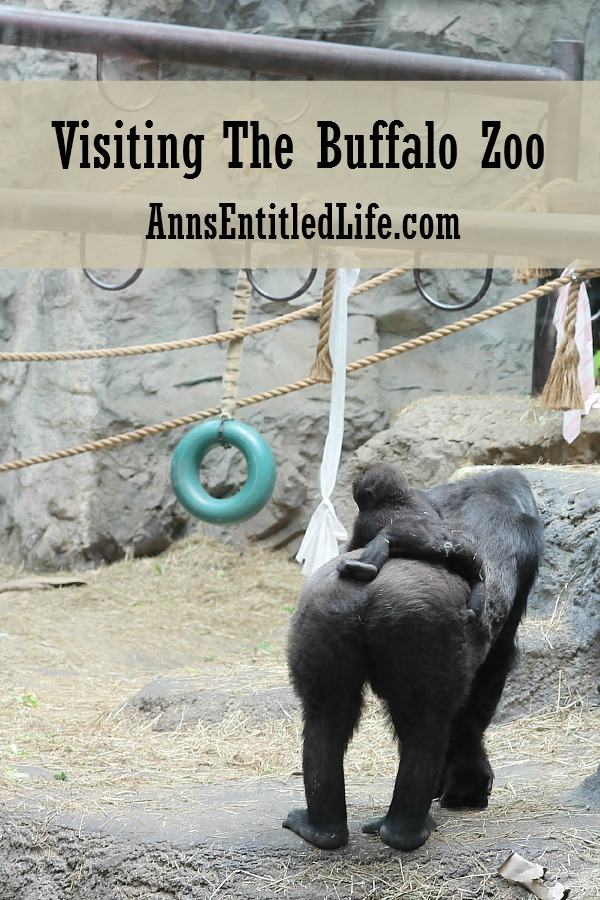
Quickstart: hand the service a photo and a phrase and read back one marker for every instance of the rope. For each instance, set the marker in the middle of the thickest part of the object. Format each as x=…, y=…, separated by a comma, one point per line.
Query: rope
x=378, y=280
x=26, y=242
x=231, y=375
x=461, y=325
x=533, y=197
x=562, y=389
x=185, y=344
x=322, y=367
x=152, y=430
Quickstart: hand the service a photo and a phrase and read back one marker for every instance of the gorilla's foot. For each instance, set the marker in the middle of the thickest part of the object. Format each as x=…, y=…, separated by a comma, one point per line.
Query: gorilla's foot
x=400, y=836
x=328, y=838
x=464, y=798
x=373, y=825
x=354, y=568
x=467, y=786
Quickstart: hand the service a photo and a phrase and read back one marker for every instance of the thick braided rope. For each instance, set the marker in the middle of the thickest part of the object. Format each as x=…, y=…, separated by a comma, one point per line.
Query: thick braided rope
x=322, y=367
x=378, y=280
x=186, y=343
x=219, y=337
x=562, y=389
x=571, y=311
x=151, y=430
x=24, y=244
x=231, y=375
x=461, y=325
x=532, y=197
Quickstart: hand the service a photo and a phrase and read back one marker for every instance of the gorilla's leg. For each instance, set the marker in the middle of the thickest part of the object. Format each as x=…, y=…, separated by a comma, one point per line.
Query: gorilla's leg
x=326, y=735
x=468, y=777
x=327, y=666
x=420, y=664
x=408, y=822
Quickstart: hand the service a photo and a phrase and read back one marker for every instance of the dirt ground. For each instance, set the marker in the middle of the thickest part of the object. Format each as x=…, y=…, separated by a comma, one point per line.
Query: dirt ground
x=150, y=748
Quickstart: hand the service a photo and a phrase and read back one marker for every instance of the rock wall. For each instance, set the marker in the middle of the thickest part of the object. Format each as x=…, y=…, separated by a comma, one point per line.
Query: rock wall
x=100, y=506
x=433, y=437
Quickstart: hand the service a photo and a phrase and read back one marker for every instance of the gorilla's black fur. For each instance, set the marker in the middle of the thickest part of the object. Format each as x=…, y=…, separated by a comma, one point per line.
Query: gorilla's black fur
x=396, y=519
x=408, y=634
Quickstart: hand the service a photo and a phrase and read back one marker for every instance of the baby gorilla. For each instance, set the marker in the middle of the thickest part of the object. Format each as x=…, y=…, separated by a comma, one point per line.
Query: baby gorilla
x=395, y=519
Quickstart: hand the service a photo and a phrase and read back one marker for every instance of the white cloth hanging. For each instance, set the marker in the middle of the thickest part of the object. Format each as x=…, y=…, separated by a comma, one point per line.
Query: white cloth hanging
x=320, y=542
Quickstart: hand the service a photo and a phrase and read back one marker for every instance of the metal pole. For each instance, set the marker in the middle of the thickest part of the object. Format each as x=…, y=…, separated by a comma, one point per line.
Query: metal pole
x=563, y=129
x=289, y=57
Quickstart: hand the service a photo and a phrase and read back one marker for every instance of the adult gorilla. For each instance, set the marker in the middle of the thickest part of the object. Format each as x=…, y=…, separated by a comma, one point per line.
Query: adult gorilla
x=408, y=633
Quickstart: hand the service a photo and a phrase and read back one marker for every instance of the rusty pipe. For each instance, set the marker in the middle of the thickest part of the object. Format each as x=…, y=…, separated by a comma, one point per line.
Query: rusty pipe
x=289, y=57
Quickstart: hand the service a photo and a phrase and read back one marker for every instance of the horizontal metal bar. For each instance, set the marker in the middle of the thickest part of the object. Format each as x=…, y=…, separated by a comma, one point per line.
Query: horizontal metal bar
x=52, y=30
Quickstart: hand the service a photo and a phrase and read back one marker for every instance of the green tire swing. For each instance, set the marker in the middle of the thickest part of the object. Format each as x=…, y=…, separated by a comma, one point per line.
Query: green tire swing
x=225, y=432
x=187, y=460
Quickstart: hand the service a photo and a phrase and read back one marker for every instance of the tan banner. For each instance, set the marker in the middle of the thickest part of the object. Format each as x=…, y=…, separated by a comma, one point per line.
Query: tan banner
x=291, y=174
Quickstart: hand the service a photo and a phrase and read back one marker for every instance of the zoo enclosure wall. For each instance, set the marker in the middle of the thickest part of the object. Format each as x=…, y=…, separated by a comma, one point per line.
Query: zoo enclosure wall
x=290, y=57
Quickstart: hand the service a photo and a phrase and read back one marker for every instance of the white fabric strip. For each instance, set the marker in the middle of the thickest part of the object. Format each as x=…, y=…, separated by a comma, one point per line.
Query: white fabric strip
x=320, y=542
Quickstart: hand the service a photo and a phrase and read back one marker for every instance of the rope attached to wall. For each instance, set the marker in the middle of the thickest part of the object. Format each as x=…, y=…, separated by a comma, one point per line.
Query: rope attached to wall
x=161, y=427
x=219, y=337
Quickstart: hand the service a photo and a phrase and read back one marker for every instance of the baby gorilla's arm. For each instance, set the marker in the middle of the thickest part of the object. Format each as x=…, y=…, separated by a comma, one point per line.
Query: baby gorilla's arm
x=418, y=537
